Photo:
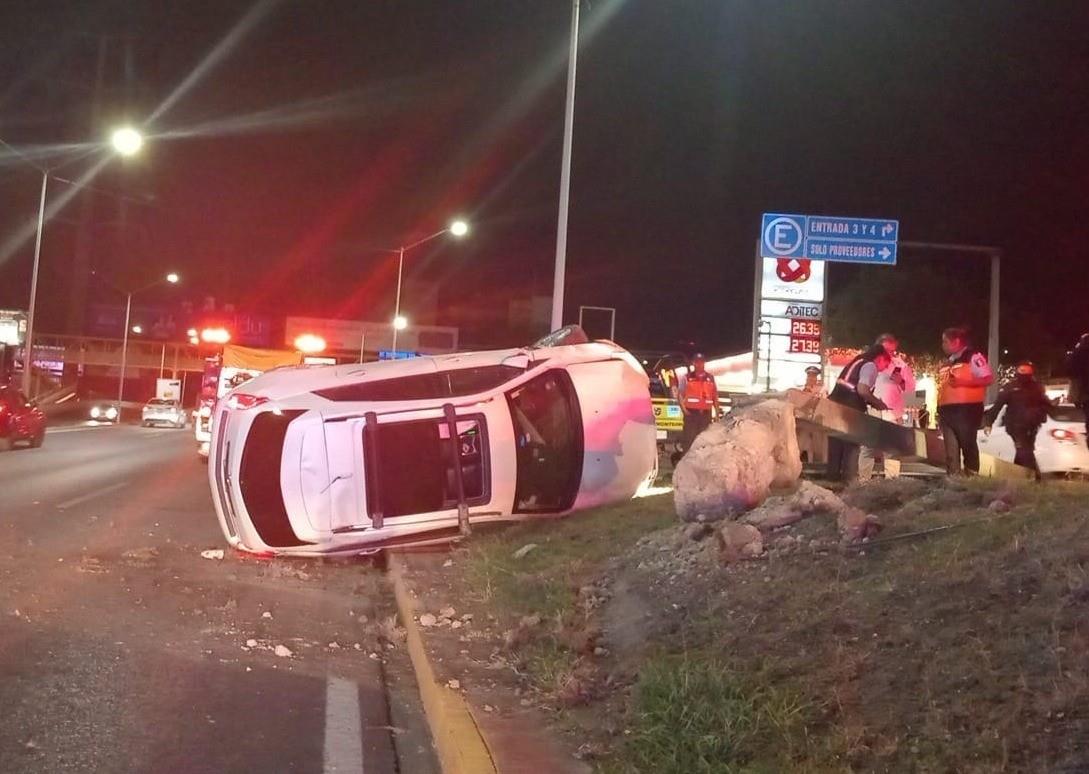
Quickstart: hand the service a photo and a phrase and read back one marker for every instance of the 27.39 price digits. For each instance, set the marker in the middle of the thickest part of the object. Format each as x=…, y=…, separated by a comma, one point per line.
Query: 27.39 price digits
x=805, y=346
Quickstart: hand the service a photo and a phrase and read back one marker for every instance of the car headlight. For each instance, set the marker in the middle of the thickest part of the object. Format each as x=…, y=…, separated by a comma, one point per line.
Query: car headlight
x=111, y=413
x=95, y=412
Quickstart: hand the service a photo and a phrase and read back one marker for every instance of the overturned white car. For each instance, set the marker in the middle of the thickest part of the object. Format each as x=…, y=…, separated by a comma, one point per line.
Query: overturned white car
x=353, y=458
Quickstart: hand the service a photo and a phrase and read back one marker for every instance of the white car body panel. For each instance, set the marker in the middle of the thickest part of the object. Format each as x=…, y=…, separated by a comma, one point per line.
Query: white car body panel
x=323, y=465
x=1054, y=456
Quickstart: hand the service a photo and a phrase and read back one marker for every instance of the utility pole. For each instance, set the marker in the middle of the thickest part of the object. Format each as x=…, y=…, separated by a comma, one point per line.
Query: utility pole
x=565, y=174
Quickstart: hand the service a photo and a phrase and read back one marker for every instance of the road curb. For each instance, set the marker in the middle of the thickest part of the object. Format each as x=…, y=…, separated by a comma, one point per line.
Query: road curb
x=459, y=743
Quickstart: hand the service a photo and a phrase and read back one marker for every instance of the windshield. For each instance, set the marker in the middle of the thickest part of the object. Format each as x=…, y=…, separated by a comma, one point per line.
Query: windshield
x=548, y=443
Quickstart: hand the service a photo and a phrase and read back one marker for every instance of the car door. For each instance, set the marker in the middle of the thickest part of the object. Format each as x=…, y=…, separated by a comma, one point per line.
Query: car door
x=23, y=419
x=998, y=443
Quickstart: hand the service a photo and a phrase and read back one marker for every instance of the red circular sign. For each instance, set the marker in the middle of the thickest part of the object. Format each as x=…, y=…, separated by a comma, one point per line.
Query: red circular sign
x=793, y=269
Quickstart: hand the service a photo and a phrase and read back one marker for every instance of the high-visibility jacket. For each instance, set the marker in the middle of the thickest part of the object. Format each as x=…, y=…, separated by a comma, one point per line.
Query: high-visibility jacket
x=968, y=365
x=700, y=392
x=846, y=390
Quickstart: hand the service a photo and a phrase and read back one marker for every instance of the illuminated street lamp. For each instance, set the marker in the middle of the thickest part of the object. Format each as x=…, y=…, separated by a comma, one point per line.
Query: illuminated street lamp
x=171, y=278
x=125, y=141
x=457, y=228
x=137, y=329
x=309, y=344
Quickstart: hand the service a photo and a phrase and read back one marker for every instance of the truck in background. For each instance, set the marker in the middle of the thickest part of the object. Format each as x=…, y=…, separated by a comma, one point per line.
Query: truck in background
x=223, y=372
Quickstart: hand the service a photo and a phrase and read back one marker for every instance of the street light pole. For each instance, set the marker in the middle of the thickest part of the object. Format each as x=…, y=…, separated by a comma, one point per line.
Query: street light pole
x=565, y=174
x=28, y=357
x=397, y=302
x=124, y=357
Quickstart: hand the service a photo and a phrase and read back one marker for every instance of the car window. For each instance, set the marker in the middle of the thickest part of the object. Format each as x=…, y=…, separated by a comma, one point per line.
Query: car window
x=443, y=384
x=1069, y=414
x=469, y=381
x=13, y=398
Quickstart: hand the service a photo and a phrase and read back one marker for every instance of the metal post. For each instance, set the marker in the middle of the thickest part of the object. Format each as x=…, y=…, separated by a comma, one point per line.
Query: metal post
x=757, y=291
x=397, y=303
x=124, y=357
x=363, y=343
x=993, y=349
x=162, y=361
x=28, y=357
x=565, y=173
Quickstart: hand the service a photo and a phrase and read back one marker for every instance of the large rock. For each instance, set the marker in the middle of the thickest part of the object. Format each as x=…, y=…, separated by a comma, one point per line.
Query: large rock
x=734, y=463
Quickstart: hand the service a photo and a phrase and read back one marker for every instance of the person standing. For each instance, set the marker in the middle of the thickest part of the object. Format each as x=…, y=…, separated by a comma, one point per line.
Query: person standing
x=1027, y=407
x=1077, y=367
x=813, y=383
x=962, y=389
x=855, y=389
x=699, y=401
x=892, y=383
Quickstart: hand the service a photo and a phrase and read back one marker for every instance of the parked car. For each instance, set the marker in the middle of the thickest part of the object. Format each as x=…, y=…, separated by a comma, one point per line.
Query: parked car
x=160, y=411
x=1060, y=444
x=353, y=458
x=20, y=420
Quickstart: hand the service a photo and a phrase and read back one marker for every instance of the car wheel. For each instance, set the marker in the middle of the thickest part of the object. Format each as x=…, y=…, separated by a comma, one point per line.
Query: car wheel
x=37, y=440
x=5, y=443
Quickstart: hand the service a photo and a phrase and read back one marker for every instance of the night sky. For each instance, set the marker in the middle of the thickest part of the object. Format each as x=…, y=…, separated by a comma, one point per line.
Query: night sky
x=330, y=128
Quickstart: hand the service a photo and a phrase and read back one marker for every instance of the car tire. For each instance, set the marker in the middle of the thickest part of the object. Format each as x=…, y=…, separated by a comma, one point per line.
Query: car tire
x=36, y=441
x=5, y=443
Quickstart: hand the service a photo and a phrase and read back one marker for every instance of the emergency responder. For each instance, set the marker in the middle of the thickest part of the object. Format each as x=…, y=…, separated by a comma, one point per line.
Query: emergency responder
x=1077, y=367
x=855, y=389
x=1027, y=406
x=699, y=400
x=962, y=388
x=813, y=381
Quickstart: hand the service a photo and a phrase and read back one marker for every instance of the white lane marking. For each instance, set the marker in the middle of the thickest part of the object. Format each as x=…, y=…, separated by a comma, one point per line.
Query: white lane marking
x=76, y=428
x=343, y=729
x=91, y=495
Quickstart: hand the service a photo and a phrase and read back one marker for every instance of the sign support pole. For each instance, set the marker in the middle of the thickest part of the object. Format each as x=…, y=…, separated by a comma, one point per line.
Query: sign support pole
x=757, y=292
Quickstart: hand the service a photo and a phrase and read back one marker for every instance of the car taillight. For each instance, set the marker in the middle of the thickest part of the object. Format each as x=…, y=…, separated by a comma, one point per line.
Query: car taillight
x=242, y=401
x=1064, y=436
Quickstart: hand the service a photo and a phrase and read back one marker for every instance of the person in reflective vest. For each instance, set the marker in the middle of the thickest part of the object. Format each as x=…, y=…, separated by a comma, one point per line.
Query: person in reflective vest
x=699, y=400
x=1027, y=407
x=962, y=389
x=855, y=389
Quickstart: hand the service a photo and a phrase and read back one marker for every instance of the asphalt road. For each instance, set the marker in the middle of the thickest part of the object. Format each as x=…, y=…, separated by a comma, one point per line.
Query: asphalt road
x=123, y=650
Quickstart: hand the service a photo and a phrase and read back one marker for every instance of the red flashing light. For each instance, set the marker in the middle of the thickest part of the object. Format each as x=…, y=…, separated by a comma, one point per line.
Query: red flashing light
x=241, y=401
x=1064, y=436
x=215, y=335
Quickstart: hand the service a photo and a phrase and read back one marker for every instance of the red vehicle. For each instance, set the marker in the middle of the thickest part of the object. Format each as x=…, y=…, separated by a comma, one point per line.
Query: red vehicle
x=20, y=420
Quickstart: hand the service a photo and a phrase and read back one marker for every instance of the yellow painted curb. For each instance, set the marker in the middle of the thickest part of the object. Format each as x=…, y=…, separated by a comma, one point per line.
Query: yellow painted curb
x=460, y=745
